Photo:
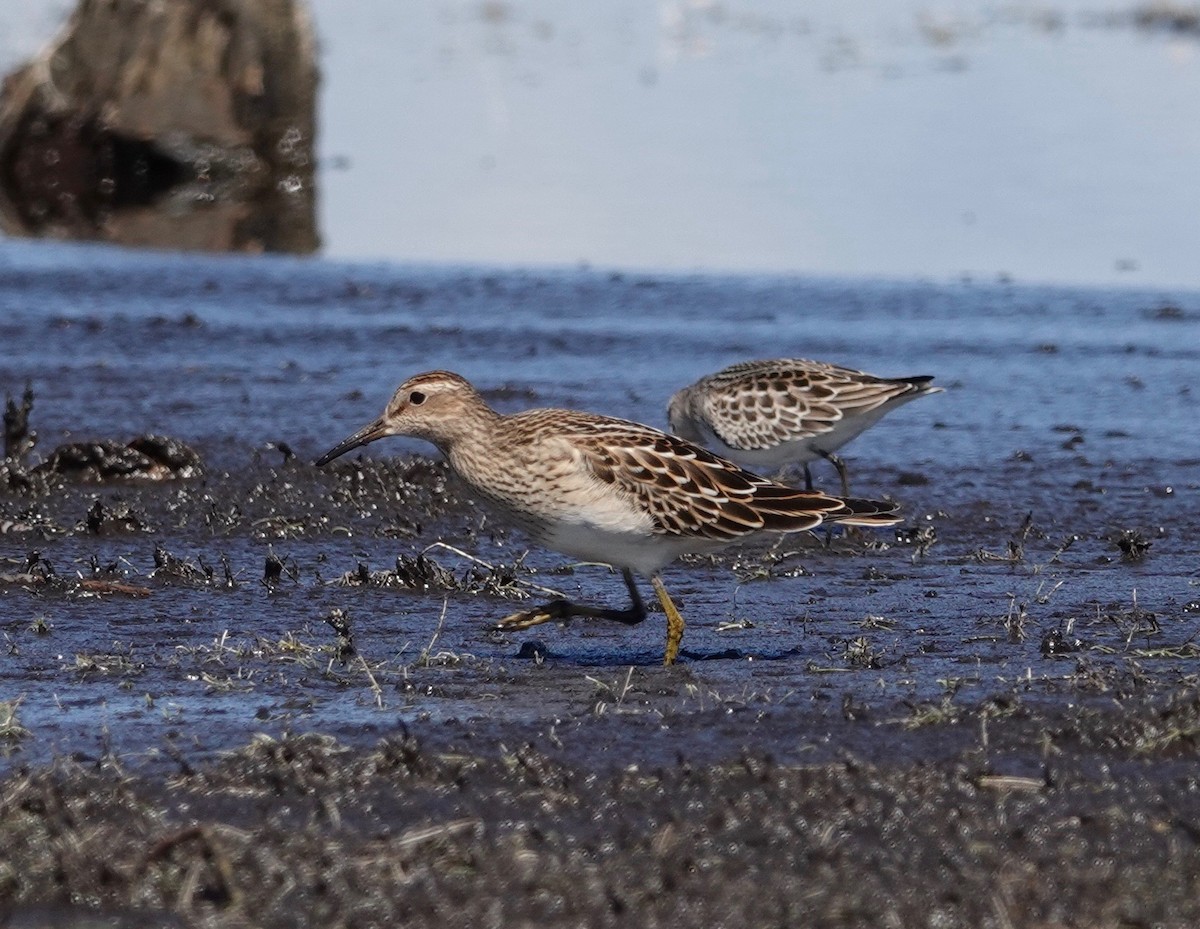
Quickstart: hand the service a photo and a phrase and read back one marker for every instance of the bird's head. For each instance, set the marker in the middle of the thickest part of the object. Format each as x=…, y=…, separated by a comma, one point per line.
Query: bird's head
x=438, y=406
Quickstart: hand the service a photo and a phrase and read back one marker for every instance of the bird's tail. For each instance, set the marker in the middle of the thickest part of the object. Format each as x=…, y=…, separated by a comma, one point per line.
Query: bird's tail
x=918, y=386
x=789, y=509
x=866, y=513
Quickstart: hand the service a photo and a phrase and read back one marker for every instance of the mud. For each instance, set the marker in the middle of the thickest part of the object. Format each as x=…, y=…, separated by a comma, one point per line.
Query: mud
x=229, y=714
x=1025, y=829
x=266, y=694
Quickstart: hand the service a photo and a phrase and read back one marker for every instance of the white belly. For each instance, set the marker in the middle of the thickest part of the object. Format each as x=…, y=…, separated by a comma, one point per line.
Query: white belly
x=645, y=554
x=796, y=451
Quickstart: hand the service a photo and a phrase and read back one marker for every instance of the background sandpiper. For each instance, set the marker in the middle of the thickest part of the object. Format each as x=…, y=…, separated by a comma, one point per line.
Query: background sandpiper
x=769, y=414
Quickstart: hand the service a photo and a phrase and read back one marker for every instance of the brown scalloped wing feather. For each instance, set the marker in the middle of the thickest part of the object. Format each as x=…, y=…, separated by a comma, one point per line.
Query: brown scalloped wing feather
x=689, y=491
x=758, y=405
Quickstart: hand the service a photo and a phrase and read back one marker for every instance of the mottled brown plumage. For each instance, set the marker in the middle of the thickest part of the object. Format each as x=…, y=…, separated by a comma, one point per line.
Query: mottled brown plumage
x=601, y=489
x=768, y=414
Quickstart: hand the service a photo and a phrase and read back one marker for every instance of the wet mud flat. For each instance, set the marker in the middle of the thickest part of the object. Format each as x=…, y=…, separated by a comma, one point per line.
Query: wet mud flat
x=267, y=696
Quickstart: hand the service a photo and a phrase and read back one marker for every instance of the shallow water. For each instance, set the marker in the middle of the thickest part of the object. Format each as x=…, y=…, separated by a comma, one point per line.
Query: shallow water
x=1045, y=142
x=1069, y=408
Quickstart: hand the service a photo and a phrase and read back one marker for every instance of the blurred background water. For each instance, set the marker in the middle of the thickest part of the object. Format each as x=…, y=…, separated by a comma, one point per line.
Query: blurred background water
x=1046, y=142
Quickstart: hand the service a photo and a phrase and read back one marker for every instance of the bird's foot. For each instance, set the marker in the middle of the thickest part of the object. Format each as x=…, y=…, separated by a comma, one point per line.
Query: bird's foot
x=526, y=619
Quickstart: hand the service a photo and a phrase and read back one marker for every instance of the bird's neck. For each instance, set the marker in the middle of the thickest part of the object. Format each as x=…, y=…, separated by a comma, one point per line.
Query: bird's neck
x=472, y=432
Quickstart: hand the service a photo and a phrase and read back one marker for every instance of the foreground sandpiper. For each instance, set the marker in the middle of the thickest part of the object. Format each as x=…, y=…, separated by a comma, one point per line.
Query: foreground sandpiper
x=769, y=414
x=601, y=489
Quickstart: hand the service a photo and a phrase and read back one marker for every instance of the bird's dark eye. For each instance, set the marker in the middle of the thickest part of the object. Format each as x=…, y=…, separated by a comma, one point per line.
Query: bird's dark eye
x=416, y=398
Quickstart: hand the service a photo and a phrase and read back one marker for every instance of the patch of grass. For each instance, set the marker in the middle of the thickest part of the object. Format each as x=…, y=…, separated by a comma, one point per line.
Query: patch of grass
x=238, y=680
x=860, y=653
x=422, y=573
x=1131, y=622
x=1174, y=728
x=102, y=663
x=709, y=697
x=40, y=625
x=613, y=694
x=11, y=729
x=1015, y=619
x=921, y=538
x=1132, y=544
x=772, y=564
x=943, y=713
x=1014, y=556
x=1169, y=652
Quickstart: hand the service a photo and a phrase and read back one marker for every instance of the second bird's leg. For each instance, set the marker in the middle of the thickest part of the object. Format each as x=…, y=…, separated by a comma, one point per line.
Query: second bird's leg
x=564, y=609
x=841, y=470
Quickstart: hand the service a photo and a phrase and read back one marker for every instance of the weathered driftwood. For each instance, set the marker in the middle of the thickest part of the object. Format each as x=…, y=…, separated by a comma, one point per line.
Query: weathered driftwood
x=186, y=124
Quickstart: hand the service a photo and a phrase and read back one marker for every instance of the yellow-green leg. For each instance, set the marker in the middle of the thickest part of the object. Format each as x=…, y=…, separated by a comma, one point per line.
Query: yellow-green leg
x=674, y=621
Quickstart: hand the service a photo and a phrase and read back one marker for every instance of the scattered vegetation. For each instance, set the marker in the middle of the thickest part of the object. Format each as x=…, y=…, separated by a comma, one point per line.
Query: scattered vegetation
x=922, y=538
x=11, y=729
x=40, y=625
x=1132, y=544
x=944, y=712
x=861, y=654
x=421, y=573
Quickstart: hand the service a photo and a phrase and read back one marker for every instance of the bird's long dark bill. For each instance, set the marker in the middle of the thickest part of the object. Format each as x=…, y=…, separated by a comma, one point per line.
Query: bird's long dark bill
x=364, y=436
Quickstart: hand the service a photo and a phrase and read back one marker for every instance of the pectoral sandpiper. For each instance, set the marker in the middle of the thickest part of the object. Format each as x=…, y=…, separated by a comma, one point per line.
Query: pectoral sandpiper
x=768, y=414
x=601, y=489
